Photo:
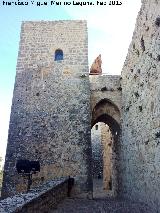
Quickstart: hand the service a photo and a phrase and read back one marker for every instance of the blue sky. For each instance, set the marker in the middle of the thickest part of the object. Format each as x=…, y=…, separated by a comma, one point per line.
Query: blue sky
x=110, y=30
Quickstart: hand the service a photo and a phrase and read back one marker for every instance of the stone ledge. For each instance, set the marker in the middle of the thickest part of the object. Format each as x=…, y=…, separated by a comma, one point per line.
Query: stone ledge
x=40, y=199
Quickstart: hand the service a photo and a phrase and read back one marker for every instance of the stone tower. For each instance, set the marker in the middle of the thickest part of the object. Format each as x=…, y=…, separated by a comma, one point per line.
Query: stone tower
x=50, y=116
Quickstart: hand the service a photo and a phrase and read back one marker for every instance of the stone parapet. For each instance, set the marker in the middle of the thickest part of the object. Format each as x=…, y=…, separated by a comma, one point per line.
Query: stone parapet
x=41, y=199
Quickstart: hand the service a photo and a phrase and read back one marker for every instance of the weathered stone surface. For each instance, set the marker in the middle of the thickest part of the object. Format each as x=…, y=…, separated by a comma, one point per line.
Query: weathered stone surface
x=97, y=150
x=56, y=103
x=107, y=142
x=101, y=206
x=102, y=155
x=140, y=147
x=105, y=87
x=96, y=66
x=50, y=118
x=41, y=199
x=106, y=108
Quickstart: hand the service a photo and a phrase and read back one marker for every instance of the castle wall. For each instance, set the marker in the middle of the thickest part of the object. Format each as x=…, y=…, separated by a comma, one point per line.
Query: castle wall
x=105, y=87
x=97, y=151
x=106, y=138
x=106, y=94
x=50, y=119
x=140, y=148
x=50, y=116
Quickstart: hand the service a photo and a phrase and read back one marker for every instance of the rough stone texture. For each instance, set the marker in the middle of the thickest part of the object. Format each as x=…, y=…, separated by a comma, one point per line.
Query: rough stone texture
x=51, y=122
x=97, y=152
x=50, y=118
x=96, y=66
x=102, y=154
x=101, y=206
x=39, y=200
x=106, y=107
x=140, y=148
x=106, y=87
x=107, y=143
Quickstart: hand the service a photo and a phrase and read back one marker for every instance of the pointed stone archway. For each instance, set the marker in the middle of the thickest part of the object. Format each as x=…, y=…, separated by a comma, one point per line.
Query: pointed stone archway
x=107, y=112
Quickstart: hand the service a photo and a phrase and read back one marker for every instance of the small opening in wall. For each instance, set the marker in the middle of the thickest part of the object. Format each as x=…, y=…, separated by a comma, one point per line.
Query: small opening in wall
x=157, y=22
x=158, y=58
x=96, y=127
x=58, y=55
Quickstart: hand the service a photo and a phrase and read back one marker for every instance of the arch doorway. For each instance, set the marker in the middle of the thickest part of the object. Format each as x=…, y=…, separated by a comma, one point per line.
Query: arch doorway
x=105, y=135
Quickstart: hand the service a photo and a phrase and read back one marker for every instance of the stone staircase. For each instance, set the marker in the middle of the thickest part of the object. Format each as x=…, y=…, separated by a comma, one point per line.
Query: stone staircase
x=101, y=205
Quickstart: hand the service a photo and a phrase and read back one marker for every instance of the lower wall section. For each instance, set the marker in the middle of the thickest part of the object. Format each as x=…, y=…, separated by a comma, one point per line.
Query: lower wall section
x=38, y=200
